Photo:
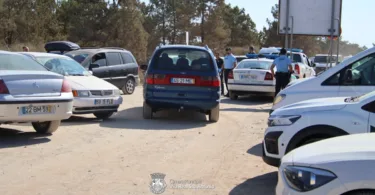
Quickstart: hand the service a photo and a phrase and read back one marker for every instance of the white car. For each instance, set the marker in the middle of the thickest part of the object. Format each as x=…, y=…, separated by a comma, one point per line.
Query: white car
x=31, y=93
x=353, y=77
x=252, y=76
x=323, y=61
x=91, y=94
x=342, y=165
x=308, y=121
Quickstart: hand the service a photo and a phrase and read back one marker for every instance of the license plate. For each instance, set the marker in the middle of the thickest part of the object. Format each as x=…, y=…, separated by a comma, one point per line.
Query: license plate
x=253, y=77
x=103, y=102
x=27, y=110
x=182, y=81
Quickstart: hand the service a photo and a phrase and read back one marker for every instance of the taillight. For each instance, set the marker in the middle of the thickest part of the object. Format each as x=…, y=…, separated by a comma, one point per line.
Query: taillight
x=268, y=77
x=230, y=75
x=65, y=88
x=209, y=81
x=157, y=79
x=150, y=79
x=3, y=88
x=296, y=68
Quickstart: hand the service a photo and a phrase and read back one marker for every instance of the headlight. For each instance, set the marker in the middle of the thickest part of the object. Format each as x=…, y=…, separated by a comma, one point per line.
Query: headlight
x=81, y=93
x=278, y=98
x=282, y=120
x=116, y=92
x=304, y=179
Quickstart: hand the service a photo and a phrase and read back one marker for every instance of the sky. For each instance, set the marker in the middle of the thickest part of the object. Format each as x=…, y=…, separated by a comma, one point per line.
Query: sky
x=356, y=15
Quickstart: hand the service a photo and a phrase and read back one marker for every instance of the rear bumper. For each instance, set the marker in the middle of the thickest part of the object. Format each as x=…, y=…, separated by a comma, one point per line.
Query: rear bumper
x=87, y=105
x=11, y=111
x=200, y=105
x=245, y=89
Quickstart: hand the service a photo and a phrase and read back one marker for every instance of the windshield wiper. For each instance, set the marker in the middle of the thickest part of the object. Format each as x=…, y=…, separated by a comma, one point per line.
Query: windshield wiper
x=76, y=75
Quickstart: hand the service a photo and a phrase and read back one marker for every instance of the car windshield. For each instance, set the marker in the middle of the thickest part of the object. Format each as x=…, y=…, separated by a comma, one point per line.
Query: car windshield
x=63, y=66
x=77, y=57
x=187, y=60
x=264, y=65
x=296, y=58
x=19, y=62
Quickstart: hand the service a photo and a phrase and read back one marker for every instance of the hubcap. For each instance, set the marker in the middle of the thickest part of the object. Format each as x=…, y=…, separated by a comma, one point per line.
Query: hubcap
x=130, y=86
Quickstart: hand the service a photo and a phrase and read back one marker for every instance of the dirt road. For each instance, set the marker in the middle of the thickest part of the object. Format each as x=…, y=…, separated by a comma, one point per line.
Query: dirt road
x=116, y=157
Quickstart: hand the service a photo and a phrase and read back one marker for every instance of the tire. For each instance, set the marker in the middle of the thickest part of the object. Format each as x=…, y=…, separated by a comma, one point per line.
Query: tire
x=147, y=111
x=214, y=114
x=103, y=115
x=46, y=127
x=129, y=86
x=232, y=95
x=361, y=192
x=312, y=135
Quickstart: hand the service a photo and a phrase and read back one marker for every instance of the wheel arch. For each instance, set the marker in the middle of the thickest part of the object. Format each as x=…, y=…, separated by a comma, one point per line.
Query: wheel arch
x=359, y=191
x=311, y=131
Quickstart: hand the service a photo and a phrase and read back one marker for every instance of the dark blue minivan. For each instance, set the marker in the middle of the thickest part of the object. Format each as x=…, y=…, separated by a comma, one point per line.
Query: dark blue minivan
x=182, y=77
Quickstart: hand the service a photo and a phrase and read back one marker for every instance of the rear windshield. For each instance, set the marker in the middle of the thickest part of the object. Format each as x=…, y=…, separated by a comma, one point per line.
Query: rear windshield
x=78, y=57
x=183, y=60
x=19, y=62
x=296, y=58
x=239, y=59
x=324, y=59
x=264, y=65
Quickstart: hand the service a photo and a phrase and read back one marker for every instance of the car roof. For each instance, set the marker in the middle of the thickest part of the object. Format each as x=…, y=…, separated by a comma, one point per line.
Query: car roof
x=176, y=46
x=240, y=56
x=43, y=54
x=257, y=59
x=98, y=50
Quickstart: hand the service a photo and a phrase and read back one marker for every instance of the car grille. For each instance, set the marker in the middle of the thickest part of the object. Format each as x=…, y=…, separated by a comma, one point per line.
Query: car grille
x=101, y=92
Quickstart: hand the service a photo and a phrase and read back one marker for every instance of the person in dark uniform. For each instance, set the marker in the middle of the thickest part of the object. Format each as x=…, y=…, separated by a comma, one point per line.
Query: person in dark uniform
x=284, y=70
x=220, y=66
x=251, y=50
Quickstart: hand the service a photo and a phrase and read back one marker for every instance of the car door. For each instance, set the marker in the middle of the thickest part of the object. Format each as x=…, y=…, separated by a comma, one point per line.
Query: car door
x=116, y=68
x=370, y=108
x=103, y=70
x=360, y=79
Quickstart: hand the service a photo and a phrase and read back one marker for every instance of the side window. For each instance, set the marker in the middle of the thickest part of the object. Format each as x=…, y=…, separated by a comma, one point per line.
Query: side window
x=359, y=73
x=99, y=59
x=370, y=107
x=127, y=58
x=114, y=58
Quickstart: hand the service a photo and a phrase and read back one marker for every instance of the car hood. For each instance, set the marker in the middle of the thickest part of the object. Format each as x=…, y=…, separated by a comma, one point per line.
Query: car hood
x=321, y=104
x=89, y=83
x=297, y=81
x=343, y=148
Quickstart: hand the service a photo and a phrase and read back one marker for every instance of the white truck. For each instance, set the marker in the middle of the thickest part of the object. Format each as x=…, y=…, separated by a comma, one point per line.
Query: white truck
x=324, y=61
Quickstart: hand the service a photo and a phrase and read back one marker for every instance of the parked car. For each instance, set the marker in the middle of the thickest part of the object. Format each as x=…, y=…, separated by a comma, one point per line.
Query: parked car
x=60, y=47
x=192, y=83
x=240, y=58
x=252, y=77
x=323, y=61
x=31, y=93
x=91, y=94
x=302, y=66
x=342, y=165
x=298, y=124
x=114, y=65
x=352, y=77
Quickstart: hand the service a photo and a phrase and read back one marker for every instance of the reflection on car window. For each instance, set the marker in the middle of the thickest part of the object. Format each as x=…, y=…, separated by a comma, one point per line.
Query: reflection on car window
x=19, y=62
x=63, y=66
x=78, y=57
x=183, y=60
x=265, y=65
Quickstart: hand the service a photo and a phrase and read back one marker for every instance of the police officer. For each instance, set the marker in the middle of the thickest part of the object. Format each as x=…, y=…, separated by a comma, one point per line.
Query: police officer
x=220, y=66
x=230, y=62
x=284, y=70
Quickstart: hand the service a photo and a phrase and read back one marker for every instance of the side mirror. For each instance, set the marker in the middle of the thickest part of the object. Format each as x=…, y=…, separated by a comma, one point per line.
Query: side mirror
x=92, y=66
x=348, y=77
x=143, y=67
x=313, y=64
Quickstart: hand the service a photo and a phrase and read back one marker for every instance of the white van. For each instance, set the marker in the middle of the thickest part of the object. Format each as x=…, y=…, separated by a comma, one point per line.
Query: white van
x=353, y=77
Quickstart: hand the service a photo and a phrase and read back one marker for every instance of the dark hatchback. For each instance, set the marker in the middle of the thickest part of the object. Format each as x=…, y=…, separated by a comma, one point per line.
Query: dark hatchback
x=182, y=77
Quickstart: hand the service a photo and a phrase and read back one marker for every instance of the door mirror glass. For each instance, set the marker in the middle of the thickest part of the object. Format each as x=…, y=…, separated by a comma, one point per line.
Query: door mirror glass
x=92, y=66
x=143, y=67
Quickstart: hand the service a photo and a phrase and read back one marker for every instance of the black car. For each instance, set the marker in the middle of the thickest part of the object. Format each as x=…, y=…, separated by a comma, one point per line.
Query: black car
x=115, y=65
x=60, y=47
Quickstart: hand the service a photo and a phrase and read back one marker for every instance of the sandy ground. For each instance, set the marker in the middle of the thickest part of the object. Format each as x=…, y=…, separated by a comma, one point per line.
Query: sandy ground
x=116, y=157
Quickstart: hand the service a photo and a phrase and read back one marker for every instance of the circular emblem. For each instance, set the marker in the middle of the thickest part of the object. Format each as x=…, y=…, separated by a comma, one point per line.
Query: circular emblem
x=157, y=184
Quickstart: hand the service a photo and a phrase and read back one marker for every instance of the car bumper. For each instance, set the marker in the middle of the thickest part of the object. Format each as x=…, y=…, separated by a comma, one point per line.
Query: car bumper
x=251, y=88
x=275, y=162
x=199, y=105
x=10, y=112
x=87, y=105
x=273, y=146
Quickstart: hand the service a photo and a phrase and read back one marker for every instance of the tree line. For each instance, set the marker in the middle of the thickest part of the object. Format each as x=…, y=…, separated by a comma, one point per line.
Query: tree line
x=140, y=27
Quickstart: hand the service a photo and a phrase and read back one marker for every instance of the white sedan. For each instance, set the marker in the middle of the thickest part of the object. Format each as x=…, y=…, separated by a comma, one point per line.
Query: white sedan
x=31, y=93
x=91, y=94
x=251, y=77
x=342, y=165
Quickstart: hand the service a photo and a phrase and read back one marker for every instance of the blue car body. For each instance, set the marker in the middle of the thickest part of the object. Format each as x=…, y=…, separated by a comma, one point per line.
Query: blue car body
x=187, y=97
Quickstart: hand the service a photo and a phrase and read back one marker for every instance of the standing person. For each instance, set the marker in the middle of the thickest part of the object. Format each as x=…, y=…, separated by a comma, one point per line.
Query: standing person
x=284, y=70
x=25, y=49
x=251, y=50
x=230, y=62
x=220, y=65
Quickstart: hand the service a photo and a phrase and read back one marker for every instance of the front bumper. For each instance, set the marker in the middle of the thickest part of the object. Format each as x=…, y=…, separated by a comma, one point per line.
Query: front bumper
x=86, y=105
x=270, y=147
x=275, y=162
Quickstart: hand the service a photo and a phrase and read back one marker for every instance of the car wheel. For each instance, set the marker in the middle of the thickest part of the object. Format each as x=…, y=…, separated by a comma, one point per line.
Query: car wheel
x=47, y=127
x=129, y=86
x=214, y=114
x=232, y=95
x=147, y=111
x=361, y=192
x=103, y=115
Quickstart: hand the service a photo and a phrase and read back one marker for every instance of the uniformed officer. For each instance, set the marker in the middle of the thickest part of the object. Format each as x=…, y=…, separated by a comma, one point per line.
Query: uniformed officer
x=284, y=70
x=230, y=62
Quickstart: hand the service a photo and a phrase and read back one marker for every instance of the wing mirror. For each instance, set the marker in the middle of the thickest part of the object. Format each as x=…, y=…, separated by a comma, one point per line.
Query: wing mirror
x=92, y=66
x=143, y=67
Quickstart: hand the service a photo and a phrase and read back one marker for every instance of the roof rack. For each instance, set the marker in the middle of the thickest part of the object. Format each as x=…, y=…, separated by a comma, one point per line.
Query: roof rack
x=118, y=48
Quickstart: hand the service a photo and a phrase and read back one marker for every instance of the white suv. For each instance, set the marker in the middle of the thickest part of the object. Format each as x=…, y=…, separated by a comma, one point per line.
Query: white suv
x=308, y=121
